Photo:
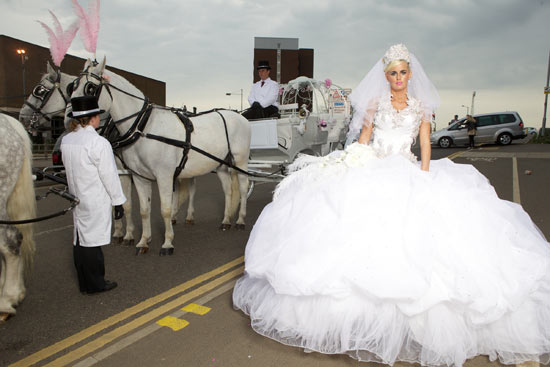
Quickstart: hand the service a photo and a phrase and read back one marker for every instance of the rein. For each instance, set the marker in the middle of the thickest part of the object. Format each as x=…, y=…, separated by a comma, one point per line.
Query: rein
x=142, y=117
x=64, y=193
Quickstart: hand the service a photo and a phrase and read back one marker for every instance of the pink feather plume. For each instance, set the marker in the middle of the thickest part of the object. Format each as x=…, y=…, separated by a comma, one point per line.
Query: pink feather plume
x=89, y=24
x=60, y=40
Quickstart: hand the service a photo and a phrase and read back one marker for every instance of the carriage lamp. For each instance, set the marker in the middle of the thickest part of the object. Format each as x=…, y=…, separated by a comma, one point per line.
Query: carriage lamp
x=24, y=57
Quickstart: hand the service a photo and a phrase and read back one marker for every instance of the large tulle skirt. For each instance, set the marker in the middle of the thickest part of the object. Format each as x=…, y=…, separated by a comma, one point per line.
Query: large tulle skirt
x=387, y=263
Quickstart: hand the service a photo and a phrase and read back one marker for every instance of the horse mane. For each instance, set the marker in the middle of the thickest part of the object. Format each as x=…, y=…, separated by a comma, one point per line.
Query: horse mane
x=122, y=83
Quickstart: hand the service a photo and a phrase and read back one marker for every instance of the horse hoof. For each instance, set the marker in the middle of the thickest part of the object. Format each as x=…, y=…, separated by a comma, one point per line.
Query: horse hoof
x=225, y=227
x=4, y=316
x=166, y=251
x=142, y=250
x=240, y=227
x=128, y=243
x=117, y=240
x=174, y=221
x=190, y=221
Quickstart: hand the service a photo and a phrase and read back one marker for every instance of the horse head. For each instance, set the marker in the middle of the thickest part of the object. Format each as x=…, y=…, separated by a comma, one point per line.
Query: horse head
x=93, y=82
x=47, y=100
x=114, y=94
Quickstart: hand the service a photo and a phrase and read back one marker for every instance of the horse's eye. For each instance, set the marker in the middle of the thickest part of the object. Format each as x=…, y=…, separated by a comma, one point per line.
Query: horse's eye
x=74, y=85
x=70, y=89
x=90, y=89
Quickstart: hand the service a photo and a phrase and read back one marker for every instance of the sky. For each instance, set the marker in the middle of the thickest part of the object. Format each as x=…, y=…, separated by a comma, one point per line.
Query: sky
x=203, y=49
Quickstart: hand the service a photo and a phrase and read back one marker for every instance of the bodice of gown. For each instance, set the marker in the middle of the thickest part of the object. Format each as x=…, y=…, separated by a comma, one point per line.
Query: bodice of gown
x=394, y=131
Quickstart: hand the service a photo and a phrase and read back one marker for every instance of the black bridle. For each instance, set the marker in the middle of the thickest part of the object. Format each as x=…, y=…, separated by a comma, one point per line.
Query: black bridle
x=43, y=94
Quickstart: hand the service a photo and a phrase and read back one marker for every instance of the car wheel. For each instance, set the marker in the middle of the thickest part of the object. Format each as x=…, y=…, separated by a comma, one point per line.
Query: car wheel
x=504, y=139
x=445, y=142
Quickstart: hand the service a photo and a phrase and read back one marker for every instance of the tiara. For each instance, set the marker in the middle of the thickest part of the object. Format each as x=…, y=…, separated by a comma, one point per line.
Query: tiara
x=396, y=52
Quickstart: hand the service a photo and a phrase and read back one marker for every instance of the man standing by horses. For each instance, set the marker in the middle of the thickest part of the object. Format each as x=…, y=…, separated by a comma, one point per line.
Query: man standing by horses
x=263, y=96
x=92, y=177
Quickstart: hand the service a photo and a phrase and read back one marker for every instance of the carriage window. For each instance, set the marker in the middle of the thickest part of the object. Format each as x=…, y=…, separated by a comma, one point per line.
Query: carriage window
x=506, y=118
x=486, y=120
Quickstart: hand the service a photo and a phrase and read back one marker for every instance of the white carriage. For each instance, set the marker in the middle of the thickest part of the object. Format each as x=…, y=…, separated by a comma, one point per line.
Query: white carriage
x=314, y=119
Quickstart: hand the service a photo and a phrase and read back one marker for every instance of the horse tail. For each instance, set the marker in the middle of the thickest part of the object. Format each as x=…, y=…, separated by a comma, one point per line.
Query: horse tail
x=235, y=193
x=22, y=201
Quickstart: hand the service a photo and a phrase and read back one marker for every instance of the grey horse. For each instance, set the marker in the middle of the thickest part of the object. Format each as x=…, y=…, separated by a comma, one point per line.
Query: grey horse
x=17, y=202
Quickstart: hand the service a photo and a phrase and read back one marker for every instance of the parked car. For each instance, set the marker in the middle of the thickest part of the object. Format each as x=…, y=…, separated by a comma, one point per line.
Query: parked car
x=531, y=130
x=500, y=128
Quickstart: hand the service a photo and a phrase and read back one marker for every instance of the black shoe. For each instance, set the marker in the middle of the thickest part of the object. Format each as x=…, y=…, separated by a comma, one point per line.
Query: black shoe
x=108, y=286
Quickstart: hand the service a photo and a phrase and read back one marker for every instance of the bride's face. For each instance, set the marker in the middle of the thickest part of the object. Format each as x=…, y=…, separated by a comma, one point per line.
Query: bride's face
x=398, y=76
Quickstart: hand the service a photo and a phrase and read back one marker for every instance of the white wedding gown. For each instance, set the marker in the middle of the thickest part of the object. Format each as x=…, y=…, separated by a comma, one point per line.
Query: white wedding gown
x=363, y=253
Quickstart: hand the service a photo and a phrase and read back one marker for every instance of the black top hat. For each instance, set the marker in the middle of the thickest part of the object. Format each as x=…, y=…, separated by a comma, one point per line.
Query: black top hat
x=263, y=65
x=84, y=106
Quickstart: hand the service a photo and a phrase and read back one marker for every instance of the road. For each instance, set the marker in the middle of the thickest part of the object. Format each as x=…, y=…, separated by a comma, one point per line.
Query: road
x=142, y=322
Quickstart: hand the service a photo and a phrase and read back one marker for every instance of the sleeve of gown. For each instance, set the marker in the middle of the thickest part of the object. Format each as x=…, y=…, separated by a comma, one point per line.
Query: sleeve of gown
x=108, y=173
x=368, y=117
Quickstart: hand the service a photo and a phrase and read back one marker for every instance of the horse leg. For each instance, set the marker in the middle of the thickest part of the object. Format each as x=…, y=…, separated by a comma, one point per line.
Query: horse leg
x=166, y=195
x=143, y=188
x=225, y=179
x=126, y=181
x=243, y=190
x=118, y=234
x=185, y=190
x=13, y=287
x=190, y=219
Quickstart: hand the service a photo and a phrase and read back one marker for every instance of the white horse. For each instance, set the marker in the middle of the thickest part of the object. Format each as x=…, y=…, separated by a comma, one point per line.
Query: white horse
x=17, y=202
x=224, y=134
x=49, y=99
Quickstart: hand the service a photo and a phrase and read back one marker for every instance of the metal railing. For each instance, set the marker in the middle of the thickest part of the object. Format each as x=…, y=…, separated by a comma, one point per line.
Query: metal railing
x=42, y=150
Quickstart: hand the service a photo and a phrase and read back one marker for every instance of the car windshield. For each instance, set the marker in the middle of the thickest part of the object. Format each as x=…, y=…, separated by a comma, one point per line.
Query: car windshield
x=455, y=125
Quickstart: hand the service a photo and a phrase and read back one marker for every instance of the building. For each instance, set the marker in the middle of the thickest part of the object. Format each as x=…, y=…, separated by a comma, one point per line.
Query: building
x=20, y=73
x=286, y=59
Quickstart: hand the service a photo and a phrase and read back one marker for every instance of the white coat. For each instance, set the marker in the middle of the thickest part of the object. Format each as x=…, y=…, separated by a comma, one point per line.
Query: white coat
x=266, y=95
x=93, y=178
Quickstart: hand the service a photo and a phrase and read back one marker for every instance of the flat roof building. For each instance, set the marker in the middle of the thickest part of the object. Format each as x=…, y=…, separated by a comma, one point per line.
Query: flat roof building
x=31, y=66
x=286, y=59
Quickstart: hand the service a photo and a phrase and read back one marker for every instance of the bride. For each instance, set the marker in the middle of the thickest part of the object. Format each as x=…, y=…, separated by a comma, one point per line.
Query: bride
x=358, y=252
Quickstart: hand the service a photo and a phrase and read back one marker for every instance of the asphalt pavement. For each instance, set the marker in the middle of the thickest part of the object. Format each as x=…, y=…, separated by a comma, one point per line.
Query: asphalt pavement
x=176, y=310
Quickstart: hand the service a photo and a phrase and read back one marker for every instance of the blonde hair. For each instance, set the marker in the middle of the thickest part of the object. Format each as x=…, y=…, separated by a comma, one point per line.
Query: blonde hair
x=83, y=121
x=395, y=62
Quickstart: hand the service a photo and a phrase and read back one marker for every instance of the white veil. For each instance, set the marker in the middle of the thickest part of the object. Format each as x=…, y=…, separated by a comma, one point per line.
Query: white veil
x=374, y=85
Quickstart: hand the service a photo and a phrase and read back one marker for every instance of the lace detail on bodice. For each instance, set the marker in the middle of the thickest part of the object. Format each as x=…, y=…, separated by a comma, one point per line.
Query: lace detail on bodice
x=395, y=131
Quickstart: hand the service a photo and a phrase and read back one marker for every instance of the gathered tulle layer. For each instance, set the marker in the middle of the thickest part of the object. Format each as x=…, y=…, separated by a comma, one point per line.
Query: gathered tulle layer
x=378, y=331
x=386, y=262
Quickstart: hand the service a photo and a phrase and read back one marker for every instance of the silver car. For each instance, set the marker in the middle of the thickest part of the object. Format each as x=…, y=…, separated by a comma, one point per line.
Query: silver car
x=500, y=128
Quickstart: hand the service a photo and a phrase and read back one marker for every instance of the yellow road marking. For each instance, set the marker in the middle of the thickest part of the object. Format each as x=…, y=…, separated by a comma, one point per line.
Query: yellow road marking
x=455, y=155
x=173, y=323
x=197, y=309
x=126, y=328
x=88, y=332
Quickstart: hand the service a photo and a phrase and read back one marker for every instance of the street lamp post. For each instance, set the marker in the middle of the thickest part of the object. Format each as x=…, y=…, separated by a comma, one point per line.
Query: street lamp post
x=473, y=96
x=22, y=52
x=238, y=93
x=467, y=109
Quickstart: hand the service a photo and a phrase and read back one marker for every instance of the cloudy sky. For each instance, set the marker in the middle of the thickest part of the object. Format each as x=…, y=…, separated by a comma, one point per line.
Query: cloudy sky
x=204, y=48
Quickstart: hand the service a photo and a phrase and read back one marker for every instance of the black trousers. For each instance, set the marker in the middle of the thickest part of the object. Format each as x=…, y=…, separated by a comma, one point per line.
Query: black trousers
x=90, y=267
x=256, y=111
x=471, y=137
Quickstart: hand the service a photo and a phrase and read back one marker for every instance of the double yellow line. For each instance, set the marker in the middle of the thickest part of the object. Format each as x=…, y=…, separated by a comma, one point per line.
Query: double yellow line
x=137, y=322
